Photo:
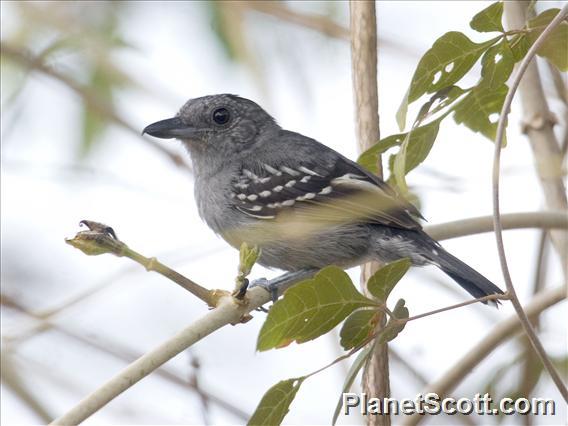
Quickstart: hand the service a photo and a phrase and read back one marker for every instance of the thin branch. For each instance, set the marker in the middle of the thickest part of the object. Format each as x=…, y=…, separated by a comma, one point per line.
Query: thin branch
x=101, y=239
x=481, y=224
x=227, y=311
x=500, y=334
x=537, y=345
x=538, y=124
x=89, y=97
x=319, y=23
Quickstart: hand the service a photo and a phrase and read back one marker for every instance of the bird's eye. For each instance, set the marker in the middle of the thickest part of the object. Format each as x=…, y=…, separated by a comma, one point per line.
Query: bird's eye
x=221, y=115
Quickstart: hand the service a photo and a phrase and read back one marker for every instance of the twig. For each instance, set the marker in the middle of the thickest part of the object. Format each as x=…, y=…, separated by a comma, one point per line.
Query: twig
x=90, y=98
x=316, y=22
x=537, y=345
x=504, y=330
x=100, y=239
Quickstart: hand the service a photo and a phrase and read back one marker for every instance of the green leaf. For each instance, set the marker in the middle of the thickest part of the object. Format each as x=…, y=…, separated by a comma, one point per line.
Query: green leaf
x=555, y=47
x=383, y=281
x=489, y=19
x=497, y=65
x=358, y=327
x=402, y=111
x=275, y=403
x=248, y=257
x=447, y=61
x=519, y=46
x=480, y=109
x=393, y=327
x=419, y=144
x=310, y=309
x=350, y=378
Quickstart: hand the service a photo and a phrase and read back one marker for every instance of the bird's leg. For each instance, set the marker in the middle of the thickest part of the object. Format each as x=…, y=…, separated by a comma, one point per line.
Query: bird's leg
x=277, y=286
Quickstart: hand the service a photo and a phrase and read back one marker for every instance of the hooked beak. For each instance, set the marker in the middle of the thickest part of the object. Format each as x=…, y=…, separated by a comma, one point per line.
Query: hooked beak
x=170, y=128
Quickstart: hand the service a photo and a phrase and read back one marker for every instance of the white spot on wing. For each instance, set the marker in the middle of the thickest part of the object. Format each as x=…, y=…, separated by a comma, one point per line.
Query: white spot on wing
x=290, y=171
x=305, y=179
x=278, y=188
x=242, y=197
x=252, y=197
x=290, y=183
x=288, y=203
x=308, y=171
x=307, y=196
x=326, y=190
x=265, y=194
x=272, y=170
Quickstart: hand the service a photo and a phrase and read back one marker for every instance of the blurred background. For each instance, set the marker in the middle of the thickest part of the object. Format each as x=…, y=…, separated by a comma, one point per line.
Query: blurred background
x=80, y=80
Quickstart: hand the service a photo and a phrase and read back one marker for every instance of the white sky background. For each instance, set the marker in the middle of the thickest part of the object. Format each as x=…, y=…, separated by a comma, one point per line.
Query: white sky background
x=149, y=202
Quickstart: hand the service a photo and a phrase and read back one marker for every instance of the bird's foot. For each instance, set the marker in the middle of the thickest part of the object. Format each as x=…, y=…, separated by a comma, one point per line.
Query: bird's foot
x=277, y=286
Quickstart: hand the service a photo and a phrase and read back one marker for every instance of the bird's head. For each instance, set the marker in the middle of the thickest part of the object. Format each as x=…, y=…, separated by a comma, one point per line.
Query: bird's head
x=218, y=125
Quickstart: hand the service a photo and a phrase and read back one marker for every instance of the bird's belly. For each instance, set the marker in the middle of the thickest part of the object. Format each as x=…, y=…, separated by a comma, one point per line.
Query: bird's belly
x=344, y=246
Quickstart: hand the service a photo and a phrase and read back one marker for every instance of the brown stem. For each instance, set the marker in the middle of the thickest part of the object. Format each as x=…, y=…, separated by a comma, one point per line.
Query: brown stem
x=364, y=71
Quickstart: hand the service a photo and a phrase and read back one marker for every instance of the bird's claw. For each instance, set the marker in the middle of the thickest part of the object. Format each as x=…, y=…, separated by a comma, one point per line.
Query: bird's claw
x=268, y=285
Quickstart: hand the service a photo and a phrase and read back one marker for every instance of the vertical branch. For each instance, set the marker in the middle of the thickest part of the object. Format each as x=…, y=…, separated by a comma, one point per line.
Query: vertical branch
x=538, y=126
x=364, y=71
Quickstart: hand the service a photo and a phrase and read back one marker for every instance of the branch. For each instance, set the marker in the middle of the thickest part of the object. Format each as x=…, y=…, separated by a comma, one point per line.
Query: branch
x=88, y=96
x=504, y=330
x=101, y=239
x=227, y=311
x=316, y=22
x=537, y=345
x=376, y=381
x=478, y=225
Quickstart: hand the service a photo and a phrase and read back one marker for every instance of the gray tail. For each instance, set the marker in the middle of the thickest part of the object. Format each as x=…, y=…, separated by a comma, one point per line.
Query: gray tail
x=467, y=277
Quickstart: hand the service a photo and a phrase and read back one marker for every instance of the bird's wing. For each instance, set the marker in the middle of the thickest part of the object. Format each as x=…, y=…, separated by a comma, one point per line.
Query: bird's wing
x=339, y=192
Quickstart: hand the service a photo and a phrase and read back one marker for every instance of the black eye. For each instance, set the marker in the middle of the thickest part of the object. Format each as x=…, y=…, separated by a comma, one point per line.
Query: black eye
x=221, y=115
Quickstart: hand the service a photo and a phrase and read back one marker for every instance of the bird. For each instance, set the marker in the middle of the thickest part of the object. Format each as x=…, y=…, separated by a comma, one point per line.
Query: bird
x=305, y=205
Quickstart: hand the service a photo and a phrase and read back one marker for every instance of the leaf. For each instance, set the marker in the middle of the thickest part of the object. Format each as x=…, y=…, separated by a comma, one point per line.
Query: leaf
x=383, y=281
x=393, y=327
x=358, y=327
x=447, y=61
x=275, y=403
x=555, y=47
x=480, y=109
x=350, y=378
x=489, y=19
x=310, y=309
x=519, y=46
x=248, y=257
x=497, y=65
x=419, y=144
x=402, y=111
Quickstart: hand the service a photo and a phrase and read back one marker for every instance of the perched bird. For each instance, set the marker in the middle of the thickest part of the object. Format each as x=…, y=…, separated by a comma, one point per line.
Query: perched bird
x=305, y=205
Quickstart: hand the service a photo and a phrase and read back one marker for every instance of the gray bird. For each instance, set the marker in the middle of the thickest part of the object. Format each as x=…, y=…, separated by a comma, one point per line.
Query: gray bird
x=305, y=205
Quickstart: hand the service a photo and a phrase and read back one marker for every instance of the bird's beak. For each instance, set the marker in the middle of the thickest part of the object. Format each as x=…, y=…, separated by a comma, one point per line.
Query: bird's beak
x=170, y=128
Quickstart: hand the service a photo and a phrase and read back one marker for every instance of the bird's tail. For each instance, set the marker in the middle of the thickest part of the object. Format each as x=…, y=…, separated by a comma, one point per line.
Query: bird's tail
x=467, y=277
